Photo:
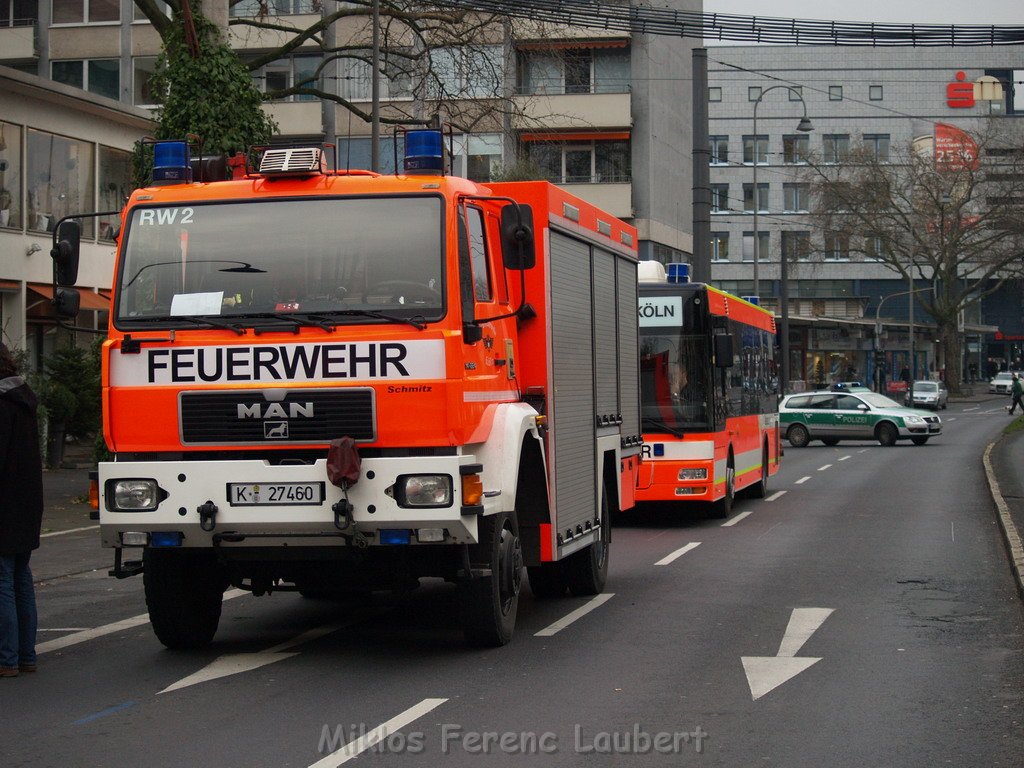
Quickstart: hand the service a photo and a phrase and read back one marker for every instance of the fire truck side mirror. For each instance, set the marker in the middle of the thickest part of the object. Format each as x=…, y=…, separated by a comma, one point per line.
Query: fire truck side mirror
x=66, y=302
x=517, y=245
x=723, y=350
x=65, y=252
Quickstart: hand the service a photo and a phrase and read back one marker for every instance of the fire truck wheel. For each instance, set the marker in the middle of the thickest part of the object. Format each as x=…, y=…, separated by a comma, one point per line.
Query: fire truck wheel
x=547, y=580
x=722, y=508
x=184, y=592
x=587, y=570
x=488, y=604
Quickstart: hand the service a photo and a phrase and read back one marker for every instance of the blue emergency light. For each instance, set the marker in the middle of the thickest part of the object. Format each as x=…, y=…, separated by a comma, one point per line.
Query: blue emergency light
x=755, y=300
x=424, y=153
x=678, y=273
x=166, y=538
x=395, y=536
x=171, y=163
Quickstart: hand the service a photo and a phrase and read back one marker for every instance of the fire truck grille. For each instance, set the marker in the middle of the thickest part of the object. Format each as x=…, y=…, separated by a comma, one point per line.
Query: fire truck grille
x=302, y=416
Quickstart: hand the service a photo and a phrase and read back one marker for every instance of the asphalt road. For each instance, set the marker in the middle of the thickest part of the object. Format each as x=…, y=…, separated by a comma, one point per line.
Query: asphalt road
x=864, y=616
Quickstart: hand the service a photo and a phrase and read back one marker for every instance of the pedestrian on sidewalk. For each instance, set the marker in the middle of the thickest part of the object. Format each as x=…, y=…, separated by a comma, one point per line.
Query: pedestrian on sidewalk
x=21, y=517
x=1016, y=390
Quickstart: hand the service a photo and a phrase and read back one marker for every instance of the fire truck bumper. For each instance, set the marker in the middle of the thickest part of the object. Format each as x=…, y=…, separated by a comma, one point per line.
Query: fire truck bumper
x=407, y=500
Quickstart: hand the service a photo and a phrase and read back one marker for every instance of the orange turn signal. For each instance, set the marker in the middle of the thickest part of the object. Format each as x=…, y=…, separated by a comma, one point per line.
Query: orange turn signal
x=472, y=490
x=94, y=494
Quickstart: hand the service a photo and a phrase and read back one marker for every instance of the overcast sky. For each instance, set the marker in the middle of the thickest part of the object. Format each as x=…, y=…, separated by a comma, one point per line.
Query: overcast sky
x=905, y=11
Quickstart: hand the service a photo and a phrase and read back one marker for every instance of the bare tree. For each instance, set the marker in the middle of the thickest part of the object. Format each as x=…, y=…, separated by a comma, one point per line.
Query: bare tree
x=952, y=219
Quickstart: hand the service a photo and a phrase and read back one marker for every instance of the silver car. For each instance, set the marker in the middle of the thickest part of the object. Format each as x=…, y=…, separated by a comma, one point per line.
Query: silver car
x=1000, y=383
x=928, y=394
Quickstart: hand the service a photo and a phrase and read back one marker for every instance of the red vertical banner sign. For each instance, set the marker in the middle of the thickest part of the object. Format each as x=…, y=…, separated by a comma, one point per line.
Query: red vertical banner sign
x=955, y=150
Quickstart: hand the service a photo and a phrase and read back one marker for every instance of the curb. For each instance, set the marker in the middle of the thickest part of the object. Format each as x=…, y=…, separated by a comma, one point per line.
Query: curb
x=1010, y=534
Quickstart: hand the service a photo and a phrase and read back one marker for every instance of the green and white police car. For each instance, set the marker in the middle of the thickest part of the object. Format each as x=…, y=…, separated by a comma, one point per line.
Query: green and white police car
x=834, y=416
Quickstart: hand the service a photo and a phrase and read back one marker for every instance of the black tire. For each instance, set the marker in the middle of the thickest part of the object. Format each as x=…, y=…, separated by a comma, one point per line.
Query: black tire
x=488, y=604
x=547, y=580
x=586, y=571
x=919, y=439
x=759, y=490
x=722, y=508
x=830, y=441
x=887, y=434
x=184, y=594
x=798, y=436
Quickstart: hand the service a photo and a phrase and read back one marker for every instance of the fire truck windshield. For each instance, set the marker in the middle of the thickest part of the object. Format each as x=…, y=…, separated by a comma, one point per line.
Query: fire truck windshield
x=675, y=380
x=357, y=258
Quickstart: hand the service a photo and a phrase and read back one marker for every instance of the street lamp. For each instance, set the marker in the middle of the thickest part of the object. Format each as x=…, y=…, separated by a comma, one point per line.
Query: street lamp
x=804, y=126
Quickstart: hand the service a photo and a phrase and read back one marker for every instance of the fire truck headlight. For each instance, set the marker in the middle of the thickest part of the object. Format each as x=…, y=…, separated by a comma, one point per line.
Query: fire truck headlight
x=424, y=491
x=135, y=495
x=696, y=473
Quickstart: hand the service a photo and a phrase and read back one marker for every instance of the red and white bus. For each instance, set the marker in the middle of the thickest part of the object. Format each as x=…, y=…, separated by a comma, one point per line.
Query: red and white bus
x=708, y=392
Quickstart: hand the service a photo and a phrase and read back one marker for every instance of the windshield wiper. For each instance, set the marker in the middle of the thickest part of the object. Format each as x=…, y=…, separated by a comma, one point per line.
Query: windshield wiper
x=662, y=426
x=194, y=319
x=416, y=321
x=298, y=319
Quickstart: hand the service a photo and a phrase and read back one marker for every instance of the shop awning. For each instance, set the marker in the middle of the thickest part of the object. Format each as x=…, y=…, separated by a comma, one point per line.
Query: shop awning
x=577, y=136
x=92, y=302
x=9, y=285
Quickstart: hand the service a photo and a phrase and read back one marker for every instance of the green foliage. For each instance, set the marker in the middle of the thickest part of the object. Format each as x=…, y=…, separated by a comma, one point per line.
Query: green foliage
x=523, y=169
x=70, y=390
x=212, y=96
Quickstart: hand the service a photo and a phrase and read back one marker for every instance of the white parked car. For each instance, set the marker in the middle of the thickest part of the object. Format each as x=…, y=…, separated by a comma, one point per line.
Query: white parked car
x=928, y=394
x=1000, y=383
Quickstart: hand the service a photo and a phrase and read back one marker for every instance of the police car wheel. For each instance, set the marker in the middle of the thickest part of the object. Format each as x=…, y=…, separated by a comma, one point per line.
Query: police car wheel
x=798, y=436
x=887, y=434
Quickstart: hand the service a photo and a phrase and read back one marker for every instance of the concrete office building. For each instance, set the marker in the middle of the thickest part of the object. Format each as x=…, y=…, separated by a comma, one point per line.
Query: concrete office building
x=605, y=114
x=884, y=97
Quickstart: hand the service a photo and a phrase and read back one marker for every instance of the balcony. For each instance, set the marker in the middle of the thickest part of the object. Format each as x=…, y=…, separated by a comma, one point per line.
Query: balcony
x=18, y=42
x=562, y=111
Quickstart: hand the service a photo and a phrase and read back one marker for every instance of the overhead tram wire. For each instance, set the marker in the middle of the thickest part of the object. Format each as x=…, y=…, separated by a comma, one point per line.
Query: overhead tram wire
x=755, y=29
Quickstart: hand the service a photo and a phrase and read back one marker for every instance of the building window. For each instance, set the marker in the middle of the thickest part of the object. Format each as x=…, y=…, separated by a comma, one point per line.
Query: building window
x=748, y=198
x=762, y=149
x=877, y=145
x=138, y=15
x=99, y=76
x=86, y=11
x=794, y=198
x=736, y=287
x=837, y=247
x=719, y=246
x=719, y=150
x=256, y=8
x=714, y=93
x=115, y=186
x=597, y=161
x=821, y=289
x=720, y=198
x=875, y=92
x=356, y=153
x=796, y=245
x=477, y=156
x=143, y=68
x=60, y=180
x=796, y=148
x=355, y=85
x=753, y=93
x=836, y=147
x=18, y=13
x=874, y=248
x=796, y=93
x=835, y=93
x=10, y=175
x=574, y=71
x=762, y=246
x=470, y=73
x=292, y=72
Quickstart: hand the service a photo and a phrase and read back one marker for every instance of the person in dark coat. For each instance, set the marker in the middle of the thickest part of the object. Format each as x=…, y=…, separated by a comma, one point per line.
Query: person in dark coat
x=21, y=516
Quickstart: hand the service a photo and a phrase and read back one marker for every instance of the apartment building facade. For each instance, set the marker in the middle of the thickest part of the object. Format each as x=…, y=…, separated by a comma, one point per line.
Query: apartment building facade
x=605, y=114
x=881, y=99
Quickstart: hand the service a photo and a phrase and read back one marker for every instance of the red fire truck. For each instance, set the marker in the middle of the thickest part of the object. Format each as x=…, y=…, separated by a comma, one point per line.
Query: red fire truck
x=708, y=384
x=335, y=380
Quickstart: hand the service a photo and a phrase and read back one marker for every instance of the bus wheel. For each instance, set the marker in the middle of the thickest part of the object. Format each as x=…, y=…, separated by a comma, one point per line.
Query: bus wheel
x=721, y=508
x=184, y=592
x=489, y=603
x=798, y=436
x=887, y=434
x=587, y=570
x=760, y=489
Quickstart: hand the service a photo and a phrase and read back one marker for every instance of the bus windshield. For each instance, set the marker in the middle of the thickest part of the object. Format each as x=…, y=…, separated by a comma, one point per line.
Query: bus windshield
x=238, y=260
x=675, y=390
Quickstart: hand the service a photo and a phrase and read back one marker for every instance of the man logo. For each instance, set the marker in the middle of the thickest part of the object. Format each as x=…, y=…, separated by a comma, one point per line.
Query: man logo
x=275, y=430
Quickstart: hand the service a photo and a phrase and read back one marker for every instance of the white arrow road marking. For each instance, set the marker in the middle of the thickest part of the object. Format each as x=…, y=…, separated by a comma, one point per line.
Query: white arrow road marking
x=678, y=553
x=382, y=731
x=579, y=613
x=738, y=517
x=766, y=673
x=236, y=663
x=109, y=629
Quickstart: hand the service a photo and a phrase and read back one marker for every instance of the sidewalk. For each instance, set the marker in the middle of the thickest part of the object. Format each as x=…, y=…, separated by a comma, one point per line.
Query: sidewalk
x=66, y=491
x=1006, y=481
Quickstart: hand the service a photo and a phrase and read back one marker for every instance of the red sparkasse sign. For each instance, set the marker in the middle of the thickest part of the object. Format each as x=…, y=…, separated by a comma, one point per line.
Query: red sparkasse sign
x=955, y=150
